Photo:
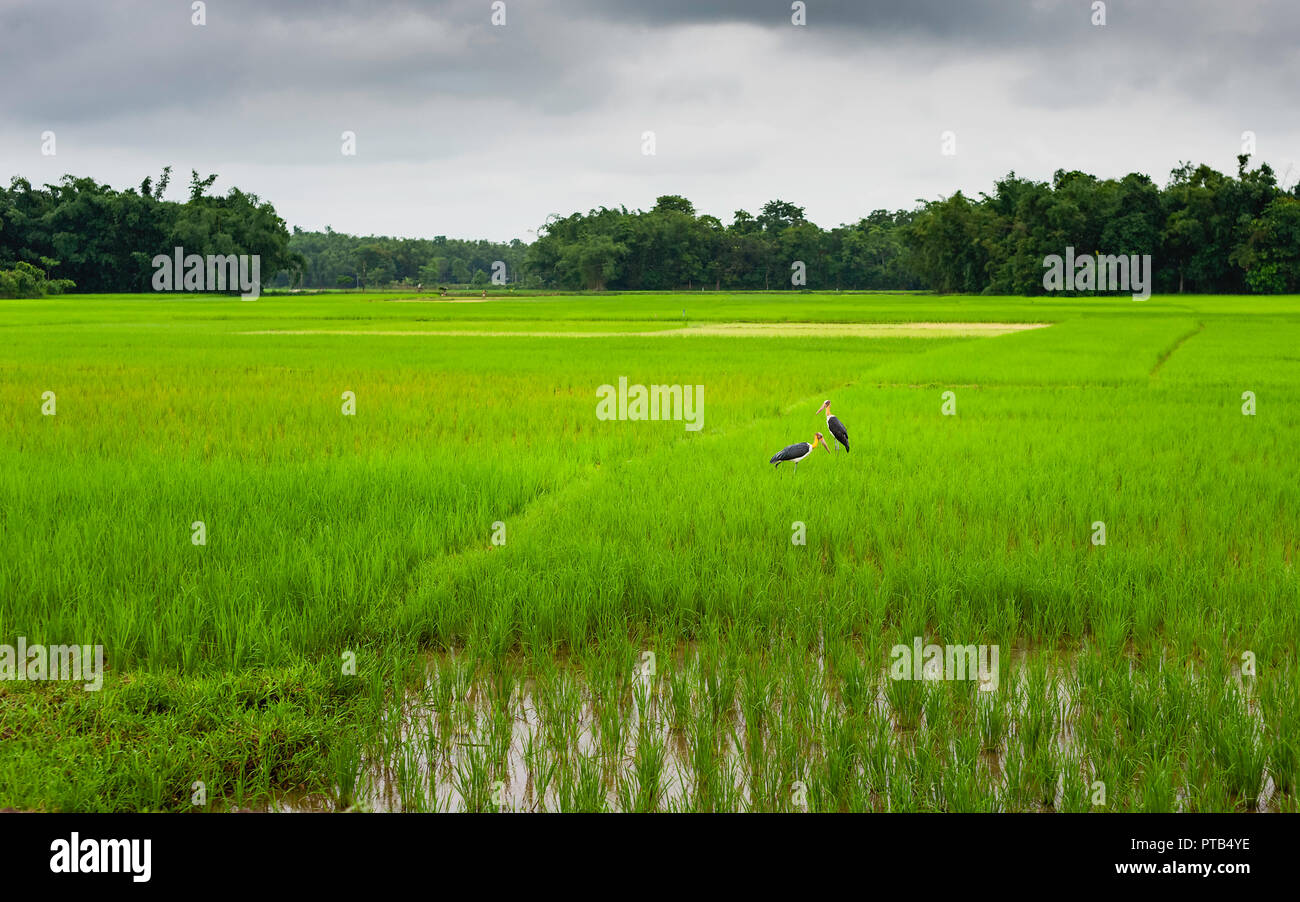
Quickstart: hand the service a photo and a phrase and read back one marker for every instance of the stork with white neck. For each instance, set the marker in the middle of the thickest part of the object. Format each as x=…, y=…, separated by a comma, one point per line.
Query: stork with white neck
x=834, y=426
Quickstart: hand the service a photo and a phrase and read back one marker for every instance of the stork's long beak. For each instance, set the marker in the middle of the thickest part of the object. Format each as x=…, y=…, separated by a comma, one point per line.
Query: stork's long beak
x=826, y=447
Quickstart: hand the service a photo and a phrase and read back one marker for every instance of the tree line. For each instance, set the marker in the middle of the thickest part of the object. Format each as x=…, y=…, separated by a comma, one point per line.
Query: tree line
x=85, y=234
x=333, y=259
x=1205, y=232
x=670, y=247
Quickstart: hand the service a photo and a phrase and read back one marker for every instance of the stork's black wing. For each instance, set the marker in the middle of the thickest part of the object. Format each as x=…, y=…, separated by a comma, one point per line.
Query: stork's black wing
x=837, y=429
x=798, y=449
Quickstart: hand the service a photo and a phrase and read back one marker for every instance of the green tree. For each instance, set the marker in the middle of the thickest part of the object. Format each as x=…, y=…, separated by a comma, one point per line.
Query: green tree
x=1272, y=256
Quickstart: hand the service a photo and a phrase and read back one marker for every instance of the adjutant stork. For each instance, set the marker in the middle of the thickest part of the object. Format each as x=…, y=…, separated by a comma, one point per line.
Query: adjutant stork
x=798, y=452
x=834, y=425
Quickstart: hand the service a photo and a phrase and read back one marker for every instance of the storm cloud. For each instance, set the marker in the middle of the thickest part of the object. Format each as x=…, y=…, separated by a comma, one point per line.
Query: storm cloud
x=472, y=129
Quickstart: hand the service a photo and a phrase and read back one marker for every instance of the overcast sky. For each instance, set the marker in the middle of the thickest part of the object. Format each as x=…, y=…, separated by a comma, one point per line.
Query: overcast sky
x=474, y=130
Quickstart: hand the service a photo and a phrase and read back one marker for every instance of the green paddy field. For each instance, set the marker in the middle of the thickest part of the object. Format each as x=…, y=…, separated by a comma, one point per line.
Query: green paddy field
x=473, y=594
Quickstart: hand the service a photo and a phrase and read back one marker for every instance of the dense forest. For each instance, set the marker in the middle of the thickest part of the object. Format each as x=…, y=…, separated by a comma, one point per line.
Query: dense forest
x=332, y=259
x=100, y=239
x=1205, y=232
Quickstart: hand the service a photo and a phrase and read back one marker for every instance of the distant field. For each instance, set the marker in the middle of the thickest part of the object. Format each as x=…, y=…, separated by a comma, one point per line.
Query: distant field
x=518, y=674
x=717, y=330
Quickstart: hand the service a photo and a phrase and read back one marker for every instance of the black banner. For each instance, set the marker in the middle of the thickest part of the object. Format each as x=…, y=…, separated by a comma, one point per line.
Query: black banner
x=935, y=852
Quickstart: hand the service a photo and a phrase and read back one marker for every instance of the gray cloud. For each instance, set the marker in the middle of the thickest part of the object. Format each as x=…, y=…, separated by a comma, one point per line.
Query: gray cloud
x=468, y=129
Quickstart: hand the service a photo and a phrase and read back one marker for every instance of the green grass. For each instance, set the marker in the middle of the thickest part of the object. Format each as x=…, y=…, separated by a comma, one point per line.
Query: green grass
x=373, y=534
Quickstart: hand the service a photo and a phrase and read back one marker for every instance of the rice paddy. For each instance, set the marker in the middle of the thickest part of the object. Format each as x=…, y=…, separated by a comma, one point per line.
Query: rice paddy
x=472, y=593
x=738, y=330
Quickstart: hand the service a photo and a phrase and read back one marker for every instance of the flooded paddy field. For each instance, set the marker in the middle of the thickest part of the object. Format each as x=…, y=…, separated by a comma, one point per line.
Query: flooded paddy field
x=707, y=730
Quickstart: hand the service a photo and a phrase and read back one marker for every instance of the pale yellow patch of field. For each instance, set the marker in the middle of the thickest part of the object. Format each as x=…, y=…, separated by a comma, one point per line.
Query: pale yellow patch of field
x=849, y=330
x=734, y=330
